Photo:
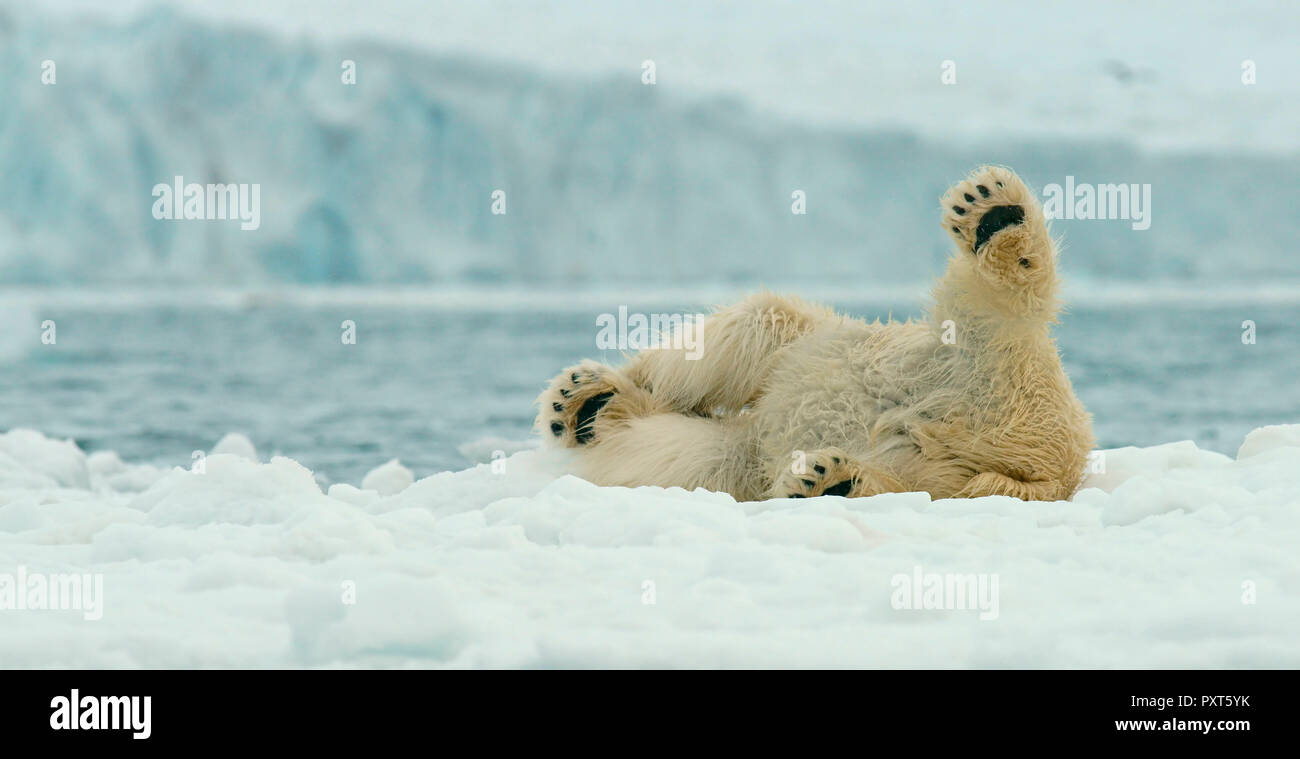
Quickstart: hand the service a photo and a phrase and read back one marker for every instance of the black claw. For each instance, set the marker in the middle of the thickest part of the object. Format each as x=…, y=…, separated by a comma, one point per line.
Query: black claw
x=836, y=459
x=997, y=218
x=819, y=469
x=795, y=495
x=564, y=392
x=809, y=483
x=960, y=211
x=999, y=184
x=969, y=198
x=587, y=415
x=956, y=231
x=557, y=429
x=983, y=190
x=559, y=407
x=574, y=377
x=839, y=488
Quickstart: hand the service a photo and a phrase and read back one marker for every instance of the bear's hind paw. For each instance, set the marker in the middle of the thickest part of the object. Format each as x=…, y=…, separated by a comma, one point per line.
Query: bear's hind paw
x=828, y=471
x=585, y=399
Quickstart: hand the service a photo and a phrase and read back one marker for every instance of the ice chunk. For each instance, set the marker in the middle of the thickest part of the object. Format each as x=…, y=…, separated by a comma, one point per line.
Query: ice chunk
x=1269, y=438
x=390, y=478
x=236, y=444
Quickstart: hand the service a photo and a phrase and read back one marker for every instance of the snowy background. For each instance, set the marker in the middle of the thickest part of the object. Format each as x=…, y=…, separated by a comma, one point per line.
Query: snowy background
x=376, y=208
x=611, y=181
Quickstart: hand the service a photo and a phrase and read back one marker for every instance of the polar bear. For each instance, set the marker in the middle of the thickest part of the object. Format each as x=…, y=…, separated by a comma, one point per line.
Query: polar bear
x=790, y=400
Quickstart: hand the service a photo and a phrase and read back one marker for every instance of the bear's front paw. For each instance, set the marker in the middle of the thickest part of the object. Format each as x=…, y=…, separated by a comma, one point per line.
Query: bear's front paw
x=992, y=215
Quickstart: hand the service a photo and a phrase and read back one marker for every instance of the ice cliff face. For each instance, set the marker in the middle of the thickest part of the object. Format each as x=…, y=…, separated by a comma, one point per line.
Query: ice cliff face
x=391, y=180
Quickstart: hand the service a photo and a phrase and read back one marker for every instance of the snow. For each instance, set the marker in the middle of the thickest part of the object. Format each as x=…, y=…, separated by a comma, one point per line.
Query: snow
x=1170, y=557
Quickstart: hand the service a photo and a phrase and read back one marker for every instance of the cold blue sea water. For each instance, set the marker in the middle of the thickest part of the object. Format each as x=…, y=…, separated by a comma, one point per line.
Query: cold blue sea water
x=155, y=383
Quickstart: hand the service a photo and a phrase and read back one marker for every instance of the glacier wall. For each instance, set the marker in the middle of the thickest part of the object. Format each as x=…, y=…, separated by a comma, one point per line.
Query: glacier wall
x=606, y=180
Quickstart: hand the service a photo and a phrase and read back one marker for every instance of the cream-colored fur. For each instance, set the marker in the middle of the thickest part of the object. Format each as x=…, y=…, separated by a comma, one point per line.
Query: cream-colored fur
x=788, y=399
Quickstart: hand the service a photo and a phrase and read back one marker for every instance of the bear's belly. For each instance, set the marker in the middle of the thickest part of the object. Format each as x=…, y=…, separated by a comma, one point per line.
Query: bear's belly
x=867, y=391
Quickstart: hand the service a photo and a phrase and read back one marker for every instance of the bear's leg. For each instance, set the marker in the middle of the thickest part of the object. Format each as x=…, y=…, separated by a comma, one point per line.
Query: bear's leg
x=995, y=483
x=673, y=450
x=999, y=226
x=733, y=352
x=830, y=471
x=722, y=368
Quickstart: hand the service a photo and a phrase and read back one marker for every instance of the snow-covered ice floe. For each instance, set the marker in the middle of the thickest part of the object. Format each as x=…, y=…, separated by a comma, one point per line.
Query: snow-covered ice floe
x=1173, y=556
